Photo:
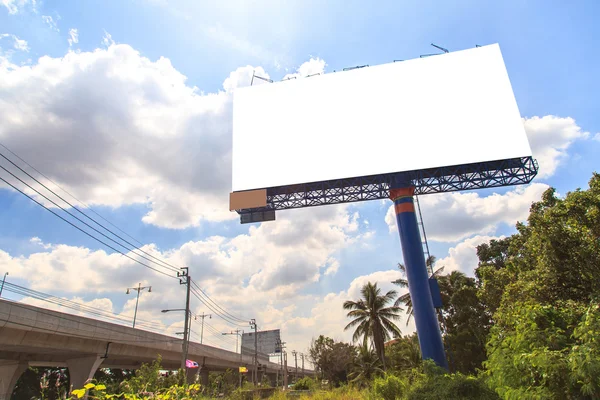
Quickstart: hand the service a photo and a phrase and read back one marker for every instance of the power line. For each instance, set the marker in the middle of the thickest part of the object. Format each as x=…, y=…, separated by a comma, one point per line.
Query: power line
x=219, y=307
x=71, y=195
x=79, y=219
x=210, y=307
x=87, y=233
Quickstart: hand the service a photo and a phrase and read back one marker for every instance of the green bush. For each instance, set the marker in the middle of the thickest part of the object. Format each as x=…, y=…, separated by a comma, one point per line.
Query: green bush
x=305, y=383
x=389, y=387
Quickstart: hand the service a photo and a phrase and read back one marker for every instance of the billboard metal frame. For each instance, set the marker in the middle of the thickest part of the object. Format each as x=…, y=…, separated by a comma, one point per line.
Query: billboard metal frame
x=490, y=174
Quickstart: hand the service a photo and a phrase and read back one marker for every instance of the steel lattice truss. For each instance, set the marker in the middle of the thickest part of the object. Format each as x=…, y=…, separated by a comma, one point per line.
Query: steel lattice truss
x=483, y=175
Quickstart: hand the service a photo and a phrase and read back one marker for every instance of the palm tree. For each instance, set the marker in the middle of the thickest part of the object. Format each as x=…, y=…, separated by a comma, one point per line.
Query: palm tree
x=403, y=283
x=372, y=319
x=366, y=365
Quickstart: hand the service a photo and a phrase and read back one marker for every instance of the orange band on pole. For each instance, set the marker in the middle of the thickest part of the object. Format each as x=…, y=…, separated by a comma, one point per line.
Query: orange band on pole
x=404, y=207
x=402, y=192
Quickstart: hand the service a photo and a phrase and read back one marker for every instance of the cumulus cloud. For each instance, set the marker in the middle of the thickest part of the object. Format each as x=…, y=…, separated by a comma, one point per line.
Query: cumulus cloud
x=449, y=217
x=311, y=67
x=117, y=128
x=18, y=44
x=463, y=256
x=550, y=137
x=597, y=137
x=73, y=37
x=259, y=274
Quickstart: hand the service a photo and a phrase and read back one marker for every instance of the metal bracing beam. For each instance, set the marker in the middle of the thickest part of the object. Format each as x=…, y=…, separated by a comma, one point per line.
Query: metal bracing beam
x=491, y=174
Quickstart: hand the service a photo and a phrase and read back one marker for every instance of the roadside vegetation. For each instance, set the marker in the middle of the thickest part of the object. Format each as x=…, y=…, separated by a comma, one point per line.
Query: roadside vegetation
x=526, y=326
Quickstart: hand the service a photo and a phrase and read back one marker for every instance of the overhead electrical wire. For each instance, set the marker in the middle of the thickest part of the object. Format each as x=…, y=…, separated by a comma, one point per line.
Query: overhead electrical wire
x=81, y=212
x=215, y=311
x=231, y=316
x=174, y=269
x=71, y=195
x=80, y=229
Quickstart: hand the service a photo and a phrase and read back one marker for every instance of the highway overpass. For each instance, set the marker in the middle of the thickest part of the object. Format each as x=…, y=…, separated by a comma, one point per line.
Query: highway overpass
x=34, y=336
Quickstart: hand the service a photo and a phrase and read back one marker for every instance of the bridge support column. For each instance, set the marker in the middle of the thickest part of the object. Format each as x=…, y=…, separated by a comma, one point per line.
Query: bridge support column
x=82, y=369
x=428, y=329
x=204, y=377
x=273, y=379
x=10, y=372
x=190, y=375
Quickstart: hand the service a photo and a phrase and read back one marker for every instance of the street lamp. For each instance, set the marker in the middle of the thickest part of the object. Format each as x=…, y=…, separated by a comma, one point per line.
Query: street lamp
x=3, y=280
x=138, y=289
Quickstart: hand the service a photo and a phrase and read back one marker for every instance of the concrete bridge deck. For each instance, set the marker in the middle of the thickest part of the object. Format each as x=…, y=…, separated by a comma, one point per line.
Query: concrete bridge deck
x=34, y=336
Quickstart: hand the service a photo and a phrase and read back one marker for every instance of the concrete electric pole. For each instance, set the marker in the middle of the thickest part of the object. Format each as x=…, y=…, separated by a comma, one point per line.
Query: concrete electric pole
x=253, y=326
x=302, y=357
x=202, y=329
x=138, y=290
x=295, y=354
x=185, y=279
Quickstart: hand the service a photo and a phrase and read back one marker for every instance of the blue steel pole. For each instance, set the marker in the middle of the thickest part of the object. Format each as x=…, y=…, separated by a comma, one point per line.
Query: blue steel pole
x=428, y=329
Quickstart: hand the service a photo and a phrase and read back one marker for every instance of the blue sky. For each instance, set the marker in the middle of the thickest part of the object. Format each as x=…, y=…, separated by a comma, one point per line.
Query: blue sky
x=548, y=48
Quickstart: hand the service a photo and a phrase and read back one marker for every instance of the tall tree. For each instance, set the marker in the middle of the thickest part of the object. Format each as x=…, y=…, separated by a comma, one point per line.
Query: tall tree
x=332, y=359
x=372, y=318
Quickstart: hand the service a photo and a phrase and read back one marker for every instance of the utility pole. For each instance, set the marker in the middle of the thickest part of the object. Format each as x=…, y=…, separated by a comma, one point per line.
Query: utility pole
x=253, y=326
x=283, y=380
x=3, y=280
x=202, y=329
x=138, y=289
x=295, y=354
x=185, y=279
x=285, y=371
x=302, y=356
x=237, y=338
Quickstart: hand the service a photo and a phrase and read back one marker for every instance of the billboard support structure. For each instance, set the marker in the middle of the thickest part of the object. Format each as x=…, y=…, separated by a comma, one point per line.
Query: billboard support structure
x=476, y=141
x=428, y=329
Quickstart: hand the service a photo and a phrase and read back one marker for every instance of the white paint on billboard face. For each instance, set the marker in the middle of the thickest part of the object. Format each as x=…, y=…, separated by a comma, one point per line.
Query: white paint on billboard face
x=443, y=110
x=267, y=342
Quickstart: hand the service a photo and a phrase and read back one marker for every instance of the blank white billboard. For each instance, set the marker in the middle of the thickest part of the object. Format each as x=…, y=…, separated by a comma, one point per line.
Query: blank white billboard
x=443, y=110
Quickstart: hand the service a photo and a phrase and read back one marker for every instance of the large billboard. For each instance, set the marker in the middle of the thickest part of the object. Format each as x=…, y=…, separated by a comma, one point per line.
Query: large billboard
x=444, y=110
x=268, y=342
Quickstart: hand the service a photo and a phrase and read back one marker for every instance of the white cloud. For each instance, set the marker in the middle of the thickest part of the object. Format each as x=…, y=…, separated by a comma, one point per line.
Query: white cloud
x=332, y=267
x=17, y=6
x=18, y=44
x=597, y=136
x=121, y=129
x=550, y=137
x=37, y=241
x=449, y=217
x=51, y=22
x=259, y=274
x=242, y=77
x=73, y=37
x=463, y=256
x=308, y=68
x=107, y=39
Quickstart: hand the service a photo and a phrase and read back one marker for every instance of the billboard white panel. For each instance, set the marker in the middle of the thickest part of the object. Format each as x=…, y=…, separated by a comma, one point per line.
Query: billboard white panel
x=267, y=342
x=443, y=110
